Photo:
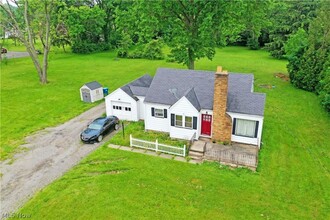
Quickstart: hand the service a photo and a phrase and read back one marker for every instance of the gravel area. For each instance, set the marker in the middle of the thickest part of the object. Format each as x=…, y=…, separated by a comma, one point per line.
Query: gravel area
x=51, y=152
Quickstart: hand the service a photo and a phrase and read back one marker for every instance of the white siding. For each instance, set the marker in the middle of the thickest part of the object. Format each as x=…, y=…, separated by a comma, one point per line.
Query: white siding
x=247, y=140
x=185, y=108
x=141, y=107
x=154, y=123
x=119, y=96
x=95, y=94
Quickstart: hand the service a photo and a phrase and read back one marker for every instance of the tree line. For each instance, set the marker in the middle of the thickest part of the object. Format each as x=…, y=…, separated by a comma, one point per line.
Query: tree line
x=293, y=30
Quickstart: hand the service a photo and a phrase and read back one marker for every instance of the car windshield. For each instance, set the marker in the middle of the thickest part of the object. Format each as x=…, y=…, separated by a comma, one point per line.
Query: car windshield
x=95, y=126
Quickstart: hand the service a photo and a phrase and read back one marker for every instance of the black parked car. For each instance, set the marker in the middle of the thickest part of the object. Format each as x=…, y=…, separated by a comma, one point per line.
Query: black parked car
x=3, y=50
x=96, y=130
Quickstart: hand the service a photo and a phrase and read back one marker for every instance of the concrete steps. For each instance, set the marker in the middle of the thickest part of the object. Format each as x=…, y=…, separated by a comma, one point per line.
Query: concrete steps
x=196, y=151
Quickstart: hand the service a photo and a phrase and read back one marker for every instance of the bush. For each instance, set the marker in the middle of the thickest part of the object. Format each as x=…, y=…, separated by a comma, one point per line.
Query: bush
x=124, y=45
x=137, y=54
x=253, y=43
x=153, y=50
x=86, y=48
x=122, y=53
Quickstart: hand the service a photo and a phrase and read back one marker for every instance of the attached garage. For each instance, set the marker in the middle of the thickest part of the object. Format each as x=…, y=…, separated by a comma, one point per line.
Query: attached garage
x=127, y=102
x=123, y=110
x=91, y=92
x=122, y=105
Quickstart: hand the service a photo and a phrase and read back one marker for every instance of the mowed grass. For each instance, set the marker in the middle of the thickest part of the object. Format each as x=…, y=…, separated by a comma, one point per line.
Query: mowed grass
x=292, y=181
x=136, y=129
x=27, y=106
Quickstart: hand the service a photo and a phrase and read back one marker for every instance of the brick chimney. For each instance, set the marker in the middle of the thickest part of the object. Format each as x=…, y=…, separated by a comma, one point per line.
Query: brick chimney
x=222, y=125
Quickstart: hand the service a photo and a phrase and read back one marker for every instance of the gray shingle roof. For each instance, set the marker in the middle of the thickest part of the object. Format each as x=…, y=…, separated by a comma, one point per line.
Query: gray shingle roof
x=241, y=98
x=169, y=85
x=167, y=80
x=191, y=96
x=138, y=87
x=93, y=85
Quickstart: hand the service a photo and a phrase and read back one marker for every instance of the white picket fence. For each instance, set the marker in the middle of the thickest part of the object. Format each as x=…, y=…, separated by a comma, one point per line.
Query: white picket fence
x=155, y=146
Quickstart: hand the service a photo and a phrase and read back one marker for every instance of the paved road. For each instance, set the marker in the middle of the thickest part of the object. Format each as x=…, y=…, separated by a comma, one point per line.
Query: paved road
x=13, y=54
x=52, y=152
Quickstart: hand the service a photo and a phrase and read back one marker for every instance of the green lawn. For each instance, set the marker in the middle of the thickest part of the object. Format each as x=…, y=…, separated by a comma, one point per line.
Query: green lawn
x=292, y=181
x=136, y=129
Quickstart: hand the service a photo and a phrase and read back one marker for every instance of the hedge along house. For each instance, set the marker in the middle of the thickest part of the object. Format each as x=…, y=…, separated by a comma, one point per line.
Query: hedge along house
x=191, y=104
x=91, y=92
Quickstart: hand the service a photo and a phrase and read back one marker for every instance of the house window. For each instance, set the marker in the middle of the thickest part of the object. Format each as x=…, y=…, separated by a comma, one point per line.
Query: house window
x=114, y=107
x=188, y=122
x=127, y=109
x=119, y=107
x=246, y=128
x=97, y=92
x=178, y=120
x=159, y=113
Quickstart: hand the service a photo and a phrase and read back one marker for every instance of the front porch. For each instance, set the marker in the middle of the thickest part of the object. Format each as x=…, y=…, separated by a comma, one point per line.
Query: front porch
x=235, y=154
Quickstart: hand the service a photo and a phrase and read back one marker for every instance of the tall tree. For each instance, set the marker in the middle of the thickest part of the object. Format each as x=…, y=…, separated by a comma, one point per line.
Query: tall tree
x=84, y=25
x=108, y=6
x=287, y=17
x=192, y=27
x=255, y=15
x=309, y=56
x=35, y=14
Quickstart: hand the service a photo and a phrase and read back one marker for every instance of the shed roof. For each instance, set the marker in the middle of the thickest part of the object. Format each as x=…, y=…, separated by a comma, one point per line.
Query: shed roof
x=169, y=85
x=93, y=85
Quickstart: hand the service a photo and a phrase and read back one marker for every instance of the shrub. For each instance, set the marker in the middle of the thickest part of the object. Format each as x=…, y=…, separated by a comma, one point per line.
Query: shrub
x=86, y=48
x=153, y=50
x=137, y=54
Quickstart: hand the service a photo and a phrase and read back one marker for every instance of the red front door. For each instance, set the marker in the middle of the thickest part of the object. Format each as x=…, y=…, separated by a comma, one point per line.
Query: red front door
x=206, y=124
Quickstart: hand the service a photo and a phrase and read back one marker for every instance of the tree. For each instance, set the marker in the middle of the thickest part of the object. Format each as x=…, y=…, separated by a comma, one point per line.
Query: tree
x=255, y=20
x=35, y=13
x=309, y=58
x=85, y=28
x=108, y=6
x=194, y=27
x=286, y=18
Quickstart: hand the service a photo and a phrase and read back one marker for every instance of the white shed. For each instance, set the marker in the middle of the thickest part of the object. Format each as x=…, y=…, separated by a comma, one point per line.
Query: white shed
x=91, y=92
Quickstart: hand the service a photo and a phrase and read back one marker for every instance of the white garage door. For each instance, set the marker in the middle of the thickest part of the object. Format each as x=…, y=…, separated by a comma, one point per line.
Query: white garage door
x=123, y=110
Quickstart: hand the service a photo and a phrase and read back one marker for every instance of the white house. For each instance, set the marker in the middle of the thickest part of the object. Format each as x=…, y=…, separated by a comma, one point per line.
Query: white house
x=91, y=92
x=192, y=103
x=127, y=102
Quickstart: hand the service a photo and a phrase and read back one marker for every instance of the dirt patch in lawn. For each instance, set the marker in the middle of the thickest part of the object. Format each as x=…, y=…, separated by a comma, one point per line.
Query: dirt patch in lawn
x=266, y=86
x=104, y=161
x=108, y=172
x=282, y=76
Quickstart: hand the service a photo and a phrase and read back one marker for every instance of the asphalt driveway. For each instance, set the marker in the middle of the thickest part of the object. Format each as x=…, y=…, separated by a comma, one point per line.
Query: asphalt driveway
x=13, y=54
x=52, y=152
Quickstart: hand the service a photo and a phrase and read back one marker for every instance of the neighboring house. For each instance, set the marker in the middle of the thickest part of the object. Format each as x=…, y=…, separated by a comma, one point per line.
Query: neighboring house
x=192, y=103
x=91, y=92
